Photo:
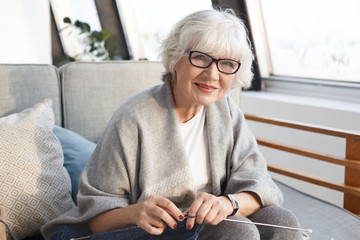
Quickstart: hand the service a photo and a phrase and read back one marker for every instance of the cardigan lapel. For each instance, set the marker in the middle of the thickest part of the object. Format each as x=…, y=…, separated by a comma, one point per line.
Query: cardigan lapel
x=219, y=129
x=174, y=181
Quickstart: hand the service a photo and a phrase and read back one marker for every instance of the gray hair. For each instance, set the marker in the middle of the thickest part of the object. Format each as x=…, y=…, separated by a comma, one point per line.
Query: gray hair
x=216, y=32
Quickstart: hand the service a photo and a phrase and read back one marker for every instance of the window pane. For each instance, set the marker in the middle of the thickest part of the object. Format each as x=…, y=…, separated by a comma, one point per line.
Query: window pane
x=82, y=10
x=146, y=22
x=314, y=38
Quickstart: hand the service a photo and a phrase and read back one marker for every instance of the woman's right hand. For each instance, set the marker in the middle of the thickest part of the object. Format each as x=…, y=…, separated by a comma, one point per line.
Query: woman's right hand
x=155, y=213
x=152, y=215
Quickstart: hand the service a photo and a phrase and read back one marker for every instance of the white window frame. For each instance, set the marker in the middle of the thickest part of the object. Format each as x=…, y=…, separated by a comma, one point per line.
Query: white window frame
x=318, y=88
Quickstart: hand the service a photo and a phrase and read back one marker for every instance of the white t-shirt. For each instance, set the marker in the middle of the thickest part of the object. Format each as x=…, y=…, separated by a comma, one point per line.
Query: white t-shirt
x=195, y=138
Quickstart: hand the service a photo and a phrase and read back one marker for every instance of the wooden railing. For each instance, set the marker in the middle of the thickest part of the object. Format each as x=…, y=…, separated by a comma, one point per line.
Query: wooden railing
x=351, y=162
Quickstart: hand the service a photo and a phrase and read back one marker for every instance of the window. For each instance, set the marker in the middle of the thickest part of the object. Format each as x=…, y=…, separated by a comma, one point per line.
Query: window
x=146, y=23
x=82, y=10
x=306, y=38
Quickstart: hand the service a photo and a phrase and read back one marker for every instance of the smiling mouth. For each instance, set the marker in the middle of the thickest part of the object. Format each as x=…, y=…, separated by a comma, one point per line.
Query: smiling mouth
x=205, y=86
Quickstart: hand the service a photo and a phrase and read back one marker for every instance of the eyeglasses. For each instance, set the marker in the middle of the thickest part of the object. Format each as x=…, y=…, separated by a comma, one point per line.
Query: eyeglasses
x=203, y=60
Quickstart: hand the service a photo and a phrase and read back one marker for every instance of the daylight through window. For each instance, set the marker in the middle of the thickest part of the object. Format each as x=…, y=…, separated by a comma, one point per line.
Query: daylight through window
x=313, y=39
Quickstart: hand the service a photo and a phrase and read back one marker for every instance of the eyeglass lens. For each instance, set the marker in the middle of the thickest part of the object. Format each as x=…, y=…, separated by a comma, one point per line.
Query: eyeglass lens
x=200, y=59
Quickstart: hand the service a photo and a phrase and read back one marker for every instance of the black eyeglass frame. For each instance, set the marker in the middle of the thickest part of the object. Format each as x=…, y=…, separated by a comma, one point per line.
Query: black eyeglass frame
x=213, y=60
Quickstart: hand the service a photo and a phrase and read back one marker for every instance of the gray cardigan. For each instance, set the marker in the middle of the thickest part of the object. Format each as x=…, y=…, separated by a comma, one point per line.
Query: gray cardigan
x=141, y=154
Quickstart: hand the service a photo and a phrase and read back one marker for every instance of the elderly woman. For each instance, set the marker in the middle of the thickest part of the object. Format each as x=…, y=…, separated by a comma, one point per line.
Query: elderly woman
x=181, y=152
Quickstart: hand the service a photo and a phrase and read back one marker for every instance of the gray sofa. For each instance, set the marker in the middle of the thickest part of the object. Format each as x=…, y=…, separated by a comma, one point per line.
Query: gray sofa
x=85, y=95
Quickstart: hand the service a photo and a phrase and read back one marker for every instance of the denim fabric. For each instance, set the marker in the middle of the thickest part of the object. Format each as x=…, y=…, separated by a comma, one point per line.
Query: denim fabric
x=66, y=232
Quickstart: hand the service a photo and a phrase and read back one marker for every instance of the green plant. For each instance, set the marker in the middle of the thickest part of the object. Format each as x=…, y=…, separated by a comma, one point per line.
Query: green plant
x=99, y=45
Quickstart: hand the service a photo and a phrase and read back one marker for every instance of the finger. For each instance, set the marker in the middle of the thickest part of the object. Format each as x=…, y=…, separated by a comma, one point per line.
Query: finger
x=152, y=209
x=217, y=212
x=170, y=208
x=157, y=223
x=203, y=212
x=156, y=228
x=190, y=221
x=214, y=217
x=210, y=216
x=163, y=215
x=219, y=218
x=192, y=213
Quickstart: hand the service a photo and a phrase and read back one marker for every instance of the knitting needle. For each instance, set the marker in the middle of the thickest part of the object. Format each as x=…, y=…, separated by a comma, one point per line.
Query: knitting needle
x=240, y=221
x=269, y=225
x=80, y=238
x=260, y=224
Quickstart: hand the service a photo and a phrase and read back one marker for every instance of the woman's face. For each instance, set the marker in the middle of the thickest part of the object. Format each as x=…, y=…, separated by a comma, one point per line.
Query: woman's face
x=196, y=86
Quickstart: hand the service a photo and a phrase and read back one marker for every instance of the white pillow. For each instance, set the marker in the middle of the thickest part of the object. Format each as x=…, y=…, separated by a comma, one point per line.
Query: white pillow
x=34, y=185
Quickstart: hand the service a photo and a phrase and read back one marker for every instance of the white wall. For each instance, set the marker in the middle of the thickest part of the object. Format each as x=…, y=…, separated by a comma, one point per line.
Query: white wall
x=330, y=113
x=25, y=31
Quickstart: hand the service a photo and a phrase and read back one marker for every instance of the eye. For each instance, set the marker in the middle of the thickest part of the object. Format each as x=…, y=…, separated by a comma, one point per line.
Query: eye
x=199, y=56
x=200, y=59
x=228, y=63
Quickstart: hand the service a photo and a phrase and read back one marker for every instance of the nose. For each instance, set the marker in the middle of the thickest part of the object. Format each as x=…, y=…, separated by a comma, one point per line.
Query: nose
x=213, y=72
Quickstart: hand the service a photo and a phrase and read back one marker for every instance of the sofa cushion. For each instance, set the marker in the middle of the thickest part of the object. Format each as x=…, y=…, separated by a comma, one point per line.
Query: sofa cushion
x=325, y=219
x=34, y=185
x=23, y=85
x=93, y=90
x=77, y=151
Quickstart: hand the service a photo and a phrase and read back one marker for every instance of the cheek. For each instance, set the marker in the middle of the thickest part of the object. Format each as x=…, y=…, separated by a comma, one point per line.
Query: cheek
x=186, y=75
x=227, y=83
x=180, y=65
x=181, y=71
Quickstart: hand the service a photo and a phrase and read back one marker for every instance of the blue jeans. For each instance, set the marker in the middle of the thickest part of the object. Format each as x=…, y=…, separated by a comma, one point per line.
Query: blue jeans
x=66, y=232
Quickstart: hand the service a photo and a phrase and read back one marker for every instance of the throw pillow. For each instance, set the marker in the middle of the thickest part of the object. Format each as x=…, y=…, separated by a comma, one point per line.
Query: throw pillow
x=2, y=225
x=77, y=151
x=34, y=185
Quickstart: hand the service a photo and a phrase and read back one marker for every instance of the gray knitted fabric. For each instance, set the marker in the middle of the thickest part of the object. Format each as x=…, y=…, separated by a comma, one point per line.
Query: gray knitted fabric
x=141, y=154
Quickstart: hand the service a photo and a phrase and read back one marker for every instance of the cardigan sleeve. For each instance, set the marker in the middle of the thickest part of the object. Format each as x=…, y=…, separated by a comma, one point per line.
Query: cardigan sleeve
x=106, y=180
x=247, y=167
x=109, y=178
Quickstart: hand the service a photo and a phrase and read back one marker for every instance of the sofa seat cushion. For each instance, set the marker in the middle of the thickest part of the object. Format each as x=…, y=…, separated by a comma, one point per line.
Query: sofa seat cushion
x=34, y=185
x=77, y=151
x=325, y=219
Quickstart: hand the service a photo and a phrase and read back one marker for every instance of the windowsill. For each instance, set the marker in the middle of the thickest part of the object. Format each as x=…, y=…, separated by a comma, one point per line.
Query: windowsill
x=326, y=92
x=329, y=106
x=334, y=104
x=310, y=92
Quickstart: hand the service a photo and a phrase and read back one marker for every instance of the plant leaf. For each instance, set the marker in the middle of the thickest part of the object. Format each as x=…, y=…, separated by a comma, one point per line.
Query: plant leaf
x=84, y=27
x=92, y=48
x=97, y=35
x=100, y=54
x=67, y=20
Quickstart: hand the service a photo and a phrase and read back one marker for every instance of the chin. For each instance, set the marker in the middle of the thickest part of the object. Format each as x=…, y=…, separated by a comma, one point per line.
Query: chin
x=207, y=102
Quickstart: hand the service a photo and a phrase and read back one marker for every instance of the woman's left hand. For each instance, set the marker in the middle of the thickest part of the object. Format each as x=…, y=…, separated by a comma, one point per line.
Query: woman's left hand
x=208, y=209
